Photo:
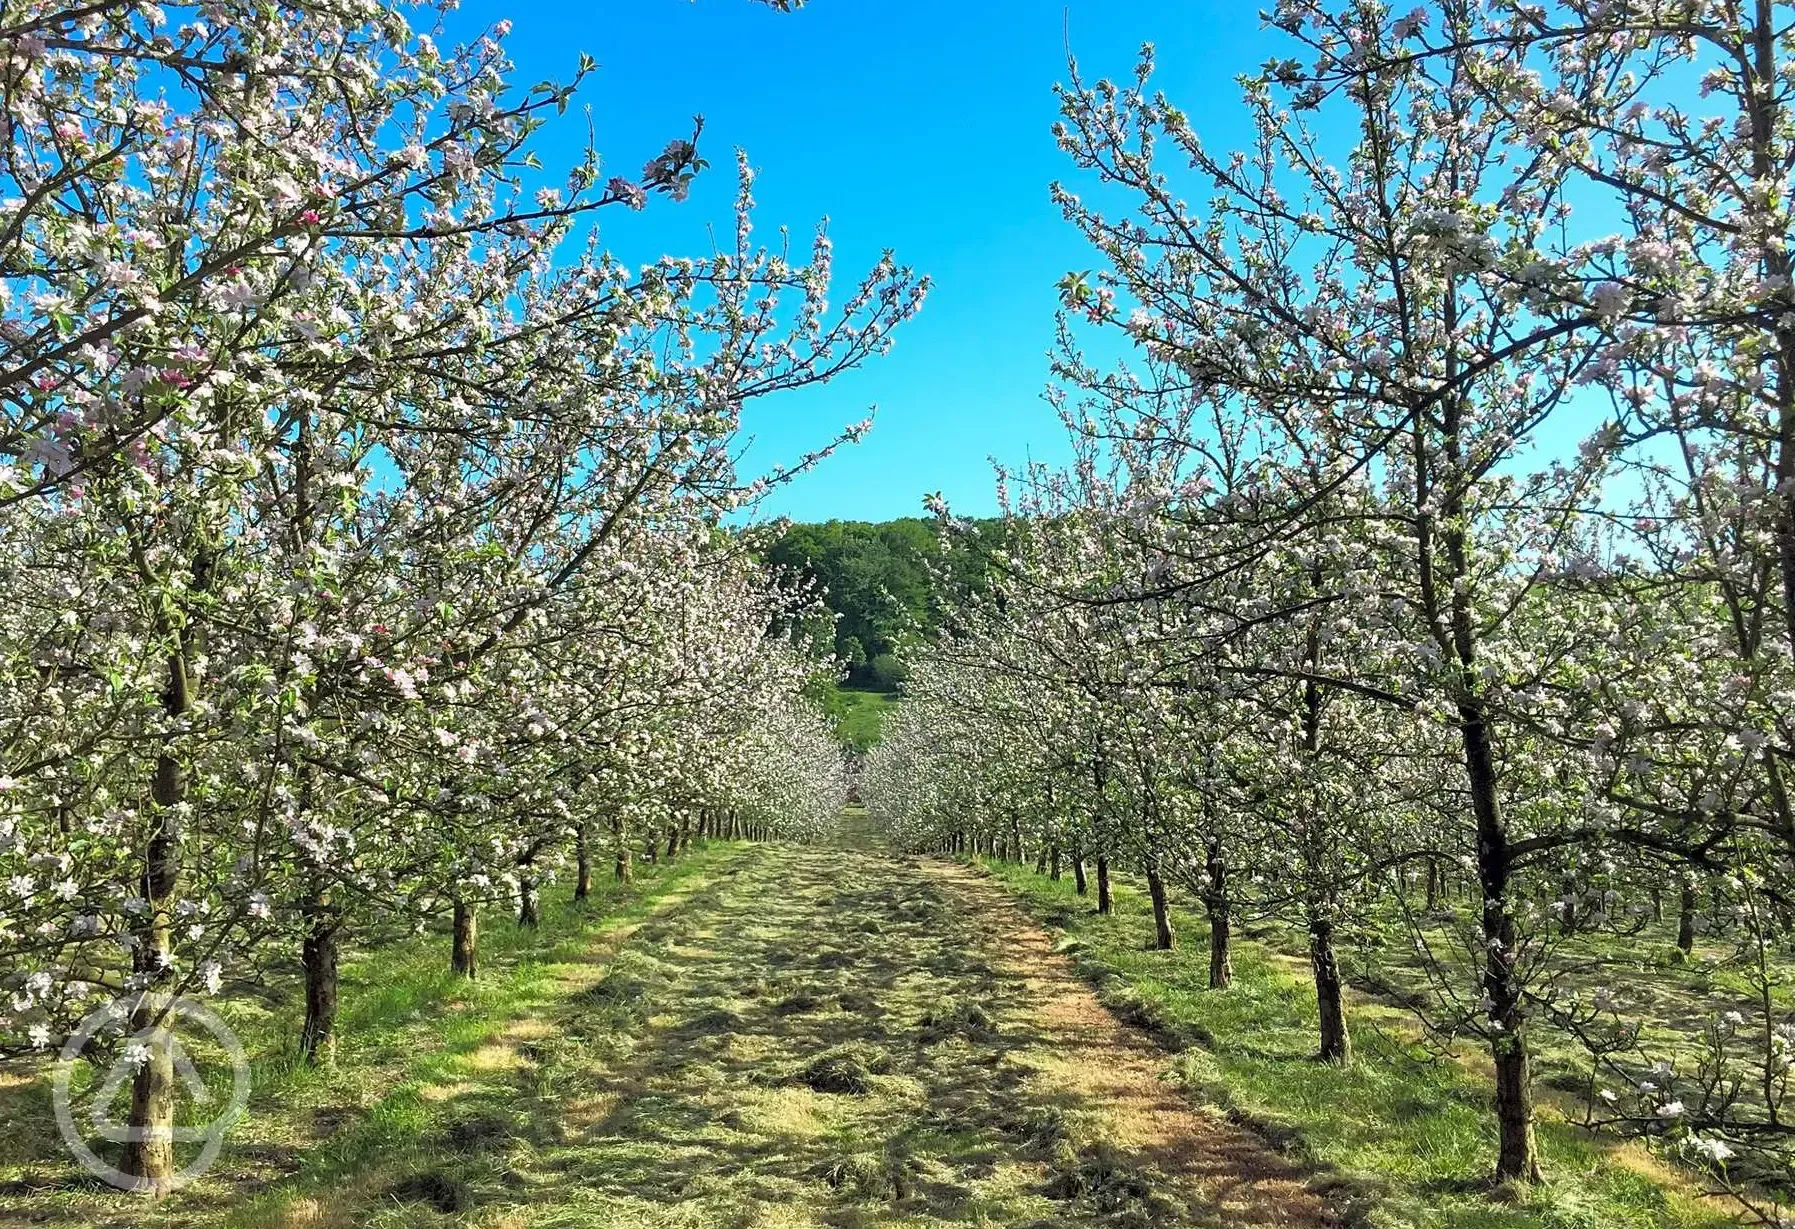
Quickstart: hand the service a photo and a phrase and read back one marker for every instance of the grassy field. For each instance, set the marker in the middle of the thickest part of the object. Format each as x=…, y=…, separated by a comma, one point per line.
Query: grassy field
x=860, y=715
x=766, y=1037
x=426, y=1070
x=776, y=1037
x=1408, y=1136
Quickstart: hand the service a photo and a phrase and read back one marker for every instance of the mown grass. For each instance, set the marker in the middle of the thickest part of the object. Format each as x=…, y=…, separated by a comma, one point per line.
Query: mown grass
x=764, y=1057
x=1409, y=1134
x=764, y=1036
x=378, y=1138
x=779, y=1036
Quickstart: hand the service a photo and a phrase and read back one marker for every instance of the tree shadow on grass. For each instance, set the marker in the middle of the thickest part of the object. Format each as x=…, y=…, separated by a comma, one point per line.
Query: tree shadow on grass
x=825, y=1034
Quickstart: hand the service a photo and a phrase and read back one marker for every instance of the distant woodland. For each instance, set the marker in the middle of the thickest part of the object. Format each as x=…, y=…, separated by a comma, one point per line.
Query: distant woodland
x=889, y=583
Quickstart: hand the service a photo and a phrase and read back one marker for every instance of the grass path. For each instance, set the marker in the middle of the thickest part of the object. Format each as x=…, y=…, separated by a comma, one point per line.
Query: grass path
x=332, y=1146
x=1120, y=1073
x=1401, y=1136
x=829, y=1038
x=795, y=1037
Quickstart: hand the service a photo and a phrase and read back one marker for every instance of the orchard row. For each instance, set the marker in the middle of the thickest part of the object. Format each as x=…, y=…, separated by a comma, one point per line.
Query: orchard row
x=366, y=549
x=1425, y=529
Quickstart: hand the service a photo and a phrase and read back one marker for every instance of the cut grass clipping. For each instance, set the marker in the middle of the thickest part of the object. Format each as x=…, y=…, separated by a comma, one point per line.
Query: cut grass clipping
x=418, y=1110
x=1407, y=1139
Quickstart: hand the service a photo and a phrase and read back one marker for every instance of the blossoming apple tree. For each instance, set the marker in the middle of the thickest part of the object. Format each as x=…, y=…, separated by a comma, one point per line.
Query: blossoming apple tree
x=336, y=446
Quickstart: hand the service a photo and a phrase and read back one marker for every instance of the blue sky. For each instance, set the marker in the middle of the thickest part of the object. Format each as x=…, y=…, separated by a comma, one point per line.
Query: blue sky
x=921, y=126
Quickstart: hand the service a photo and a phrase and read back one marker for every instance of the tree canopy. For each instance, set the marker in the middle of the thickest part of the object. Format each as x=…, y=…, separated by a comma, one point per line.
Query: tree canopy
x=889, y=584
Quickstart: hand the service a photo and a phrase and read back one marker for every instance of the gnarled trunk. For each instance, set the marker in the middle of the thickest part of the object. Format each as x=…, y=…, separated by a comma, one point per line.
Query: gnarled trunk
x=318, y=957
x=1336, y=1042
x=1221, y=919
x=1162, y=917
x=464, y=951
x=1686, y=920
x=620, y=842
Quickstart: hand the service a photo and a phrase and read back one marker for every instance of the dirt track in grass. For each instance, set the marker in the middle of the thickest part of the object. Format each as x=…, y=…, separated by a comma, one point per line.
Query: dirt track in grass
x=794, y=1037
x=836, y=1038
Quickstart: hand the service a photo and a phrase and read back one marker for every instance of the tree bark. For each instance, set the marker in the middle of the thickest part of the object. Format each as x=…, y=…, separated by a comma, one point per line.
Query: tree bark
x=529, y=901
x=1221, y=919
x=1053, y=861
x=149, y=1150
x=1162, y=917
x=1106, y=903
x=1518, y=1151
x=620, y=845
x=582, y=883
x=149, y=1155
x=1336, y=1042
x=1686, y=920
x=464, y=952
x=1518, y=1158
x=1078, y=876
x=318, y=957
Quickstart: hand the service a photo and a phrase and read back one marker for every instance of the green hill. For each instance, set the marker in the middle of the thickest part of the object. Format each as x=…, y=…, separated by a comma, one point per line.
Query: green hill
x=887, y=582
